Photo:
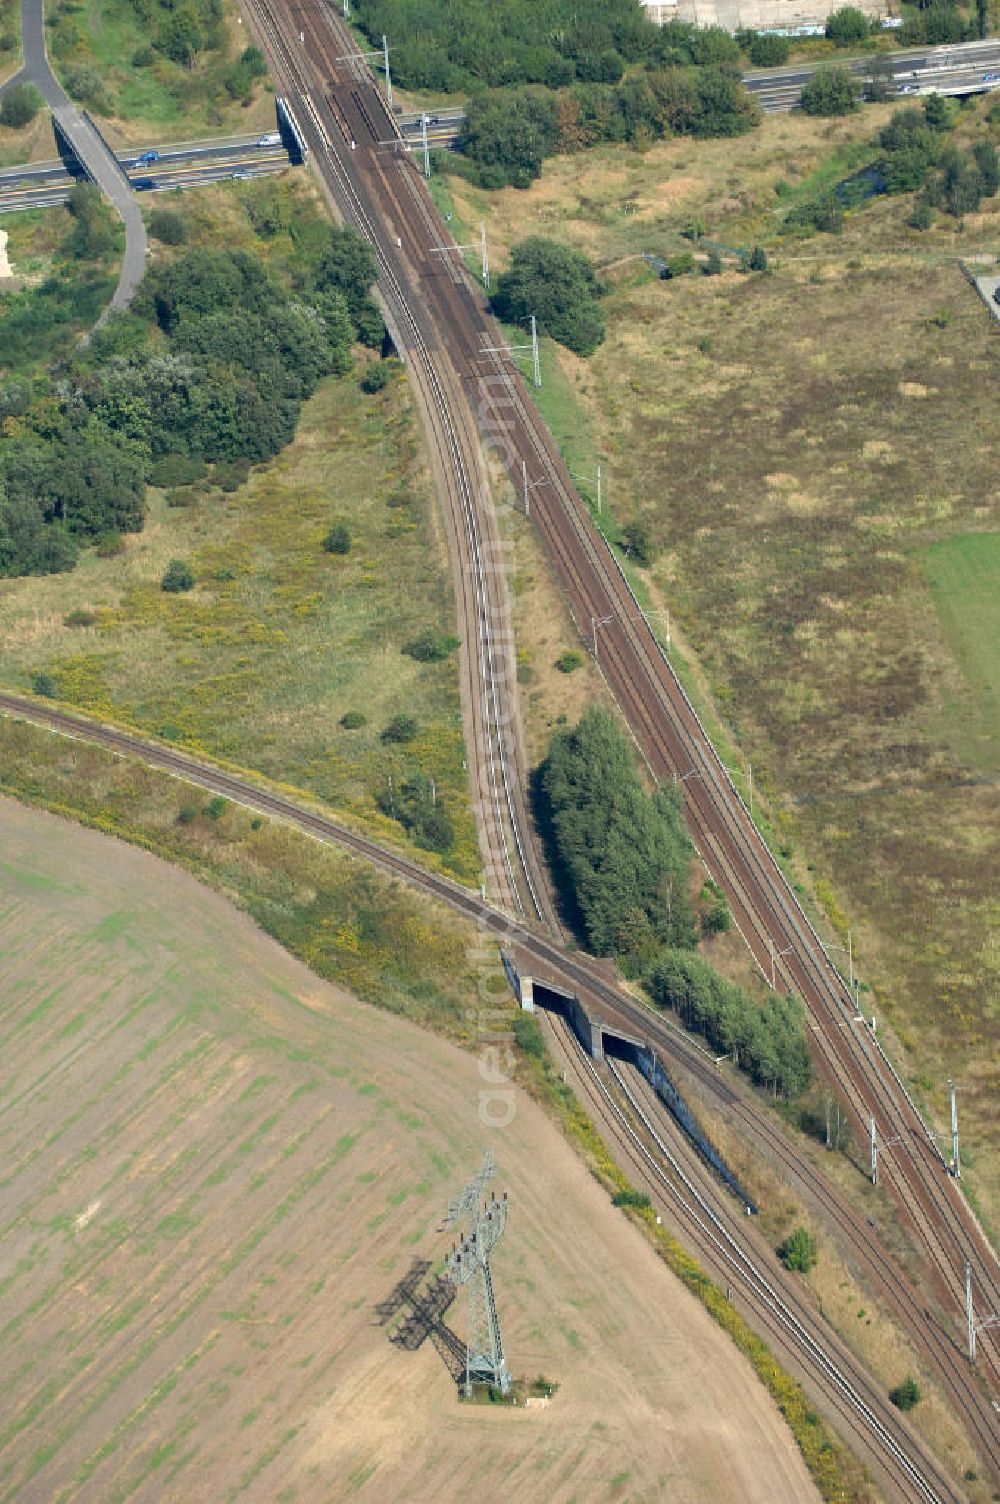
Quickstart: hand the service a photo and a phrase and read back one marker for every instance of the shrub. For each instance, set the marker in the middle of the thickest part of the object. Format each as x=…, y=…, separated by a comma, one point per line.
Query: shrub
x=79, y=617
x=823, y=213
x=253, y=60
x=216, y=807
x=636, y=539
x=756, y=261
x=629, y=1197
x=19, y=106
x=86, y=84
x=230, y=476
x=185, y=497
x=570, y=661
x=187, y=814
x=353, y=720
x=338, y=539
x=906, y=1395
x=376, y=377
x=712, y=265
x=178, y=577
x=144, y=57
x=44, y=684
x=715, y=916
x=922, y=216
x=167, y=226
x=110, y=545
x=428, y=647
x=798, y=1251
x=677, y=266
x=768, y=51
x=831, y=91
x=402, y=728
x=528, y=1034
x=177, y=470
x=847, y=27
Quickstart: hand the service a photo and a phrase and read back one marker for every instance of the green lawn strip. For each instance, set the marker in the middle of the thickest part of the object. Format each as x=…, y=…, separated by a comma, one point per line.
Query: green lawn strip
x=963, y=573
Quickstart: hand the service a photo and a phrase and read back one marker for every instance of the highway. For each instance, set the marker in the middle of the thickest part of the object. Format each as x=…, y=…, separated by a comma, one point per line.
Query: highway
x=378, y=189
x=960, y=68
x=89, y=148
x=39, y=185
x=574, y=971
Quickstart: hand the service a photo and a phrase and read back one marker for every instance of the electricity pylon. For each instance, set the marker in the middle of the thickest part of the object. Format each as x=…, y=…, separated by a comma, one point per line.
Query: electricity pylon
x=469, y=1264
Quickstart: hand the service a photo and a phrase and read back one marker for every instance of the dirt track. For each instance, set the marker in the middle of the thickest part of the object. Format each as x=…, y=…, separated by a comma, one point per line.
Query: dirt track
x=217, y=1166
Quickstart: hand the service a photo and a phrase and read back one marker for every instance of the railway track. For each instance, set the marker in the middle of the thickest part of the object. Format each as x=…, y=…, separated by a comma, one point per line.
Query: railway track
x=514, y=872
x=575, y=971
x=779, y=1310
x=672, y=739
x=377, y=191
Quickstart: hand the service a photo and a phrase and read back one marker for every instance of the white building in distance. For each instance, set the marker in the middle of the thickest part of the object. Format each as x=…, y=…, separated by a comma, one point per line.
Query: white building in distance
x=754, y=15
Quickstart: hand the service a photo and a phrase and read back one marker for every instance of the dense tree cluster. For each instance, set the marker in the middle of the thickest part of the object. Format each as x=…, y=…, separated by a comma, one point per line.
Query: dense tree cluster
x=847, y=26
x=508, y=133
x=768, y=1041
x=938, y=22
x=913, y=155
x=212, y=366
x=465, y=43
x=556, y=284
x=624, y=854
x=831, y=91
x=823, y=212
x=19, y=106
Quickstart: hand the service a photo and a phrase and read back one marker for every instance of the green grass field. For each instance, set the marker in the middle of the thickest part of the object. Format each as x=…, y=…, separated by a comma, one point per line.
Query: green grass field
x=964, y=577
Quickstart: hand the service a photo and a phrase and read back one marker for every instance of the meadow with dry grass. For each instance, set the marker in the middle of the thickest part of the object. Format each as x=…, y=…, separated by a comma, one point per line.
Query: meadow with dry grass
x=802, y=446
x=280, y=640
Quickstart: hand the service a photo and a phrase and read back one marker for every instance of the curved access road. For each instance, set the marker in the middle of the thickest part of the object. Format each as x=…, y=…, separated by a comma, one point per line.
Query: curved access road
x=578, y=973
x=98, y=161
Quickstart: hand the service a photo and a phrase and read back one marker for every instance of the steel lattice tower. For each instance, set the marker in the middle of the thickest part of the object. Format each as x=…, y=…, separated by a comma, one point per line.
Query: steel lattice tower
x=469, y=1264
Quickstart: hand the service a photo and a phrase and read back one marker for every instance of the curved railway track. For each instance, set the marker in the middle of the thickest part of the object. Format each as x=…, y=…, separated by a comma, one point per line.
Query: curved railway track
x=575, y=971
x=510, y=861
x=671, y=737
x=376, y=190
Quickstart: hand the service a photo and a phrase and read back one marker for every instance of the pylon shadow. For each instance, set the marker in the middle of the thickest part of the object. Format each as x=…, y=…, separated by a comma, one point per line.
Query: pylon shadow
x=423, y=1311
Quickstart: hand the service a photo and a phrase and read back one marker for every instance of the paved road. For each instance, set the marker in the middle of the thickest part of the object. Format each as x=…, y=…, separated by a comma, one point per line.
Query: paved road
x=97, y=159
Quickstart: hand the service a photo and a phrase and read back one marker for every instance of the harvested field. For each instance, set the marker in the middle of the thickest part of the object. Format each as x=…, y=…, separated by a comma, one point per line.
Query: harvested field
x=215, y=1166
